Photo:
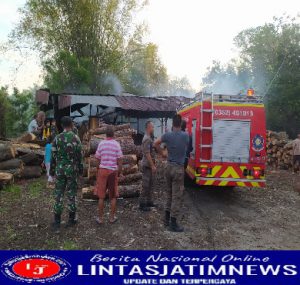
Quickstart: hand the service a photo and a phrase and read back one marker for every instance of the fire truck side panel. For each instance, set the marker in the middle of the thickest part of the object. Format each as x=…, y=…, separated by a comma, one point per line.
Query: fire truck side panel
x=238, y=157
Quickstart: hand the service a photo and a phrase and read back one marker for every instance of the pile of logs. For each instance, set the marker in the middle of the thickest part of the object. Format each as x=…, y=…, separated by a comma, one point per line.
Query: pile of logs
x=279, y=150
x=130, y=181
x=19, y=160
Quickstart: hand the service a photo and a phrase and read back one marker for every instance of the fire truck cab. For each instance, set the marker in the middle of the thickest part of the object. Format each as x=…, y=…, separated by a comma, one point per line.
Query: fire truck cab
x=229, y=140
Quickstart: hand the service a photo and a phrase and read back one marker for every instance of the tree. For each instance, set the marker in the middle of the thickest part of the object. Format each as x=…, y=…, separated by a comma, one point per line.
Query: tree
x=272, y=52
x=180, y=87
x=21, y=111
x=269, y=61
x=88, y=34
x=145, y=74
x=92, y=46
x=230, y=78
x=4, y=111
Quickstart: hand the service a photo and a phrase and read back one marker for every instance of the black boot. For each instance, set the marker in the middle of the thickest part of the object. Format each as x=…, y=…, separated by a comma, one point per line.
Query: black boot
x=151, y=205
x=72, y=221
x=56, y=224
x=144, y=207
x=174, y=227
x=167, y=218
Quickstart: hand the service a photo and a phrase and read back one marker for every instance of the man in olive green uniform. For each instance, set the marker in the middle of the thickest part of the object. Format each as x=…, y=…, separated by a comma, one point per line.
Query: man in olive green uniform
x=177, y=143
x=149, y=169
x=66, y=165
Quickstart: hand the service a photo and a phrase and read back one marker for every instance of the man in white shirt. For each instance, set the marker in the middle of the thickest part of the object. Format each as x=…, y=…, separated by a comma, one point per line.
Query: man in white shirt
x=33, y=125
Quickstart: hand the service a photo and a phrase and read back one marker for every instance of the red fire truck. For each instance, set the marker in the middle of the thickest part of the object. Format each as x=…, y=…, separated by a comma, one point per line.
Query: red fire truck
x=229, y=140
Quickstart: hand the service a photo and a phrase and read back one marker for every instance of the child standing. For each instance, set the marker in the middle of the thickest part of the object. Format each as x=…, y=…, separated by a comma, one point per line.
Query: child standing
x=47, y=161
x=54, y=131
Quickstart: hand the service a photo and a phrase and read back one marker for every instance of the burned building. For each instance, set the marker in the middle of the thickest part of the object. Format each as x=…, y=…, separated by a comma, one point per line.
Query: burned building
x=112, y=109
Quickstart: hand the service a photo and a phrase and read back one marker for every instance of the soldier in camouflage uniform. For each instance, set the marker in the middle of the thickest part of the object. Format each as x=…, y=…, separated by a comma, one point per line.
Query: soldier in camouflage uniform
x=149, y=169
x=66, y=165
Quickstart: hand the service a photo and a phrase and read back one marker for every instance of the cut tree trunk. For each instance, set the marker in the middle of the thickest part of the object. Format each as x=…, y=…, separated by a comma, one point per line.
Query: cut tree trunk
x=15, y=172
x=130, y=178
x=5, y=178
x=92, y=172
x=98, y=131
x=31, y=172
x=6, y=152
x=279, y=150
x=31, y=159
x=38, y=152
x=94, y=162
x=121, y=127
x=87, y=182
x=27, y=137
x=31, y=146
x=128, y=191
x=130, y=159
x=126, y=143
x=11, y=164
x=128, y=169
x=128, y=147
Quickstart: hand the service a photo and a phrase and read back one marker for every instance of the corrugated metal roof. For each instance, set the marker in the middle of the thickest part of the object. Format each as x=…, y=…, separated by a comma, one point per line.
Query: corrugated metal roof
x=126, y=101
x=100, y=100
x=151, y=104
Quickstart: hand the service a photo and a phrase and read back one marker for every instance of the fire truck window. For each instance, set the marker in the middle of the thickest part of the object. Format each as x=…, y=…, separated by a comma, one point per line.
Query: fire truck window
x=231, y=141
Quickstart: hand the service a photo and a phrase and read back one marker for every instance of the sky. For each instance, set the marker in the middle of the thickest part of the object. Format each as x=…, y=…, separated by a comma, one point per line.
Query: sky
x=190, y=34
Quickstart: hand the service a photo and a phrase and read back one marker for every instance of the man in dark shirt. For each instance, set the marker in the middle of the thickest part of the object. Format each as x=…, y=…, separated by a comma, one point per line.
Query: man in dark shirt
x=177, y=143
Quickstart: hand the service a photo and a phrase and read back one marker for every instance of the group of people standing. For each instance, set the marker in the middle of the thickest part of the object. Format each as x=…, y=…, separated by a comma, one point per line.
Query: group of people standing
x=42, y=128
x=177, y=143
x=67, y=167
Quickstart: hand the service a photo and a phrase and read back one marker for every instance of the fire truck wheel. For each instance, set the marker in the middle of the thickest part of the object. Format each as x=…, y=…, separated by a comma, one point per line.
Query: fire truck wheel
x=188, y=181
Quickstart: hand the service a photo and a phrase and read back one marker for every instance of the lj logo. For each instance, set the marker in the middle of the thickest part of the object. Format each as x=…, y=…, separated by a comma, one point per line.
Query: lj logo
x=36, y=268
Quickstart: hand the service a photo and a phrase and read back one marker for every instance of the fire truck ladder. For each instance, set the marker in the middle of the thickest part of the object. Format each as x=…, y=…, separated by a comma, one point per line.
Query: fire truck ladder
x=206, y=126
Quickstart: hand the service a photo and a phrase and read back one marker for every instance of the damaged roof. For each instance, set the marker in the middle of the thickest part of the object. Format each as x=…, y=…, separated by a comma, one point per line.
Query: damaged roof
x=129, y=103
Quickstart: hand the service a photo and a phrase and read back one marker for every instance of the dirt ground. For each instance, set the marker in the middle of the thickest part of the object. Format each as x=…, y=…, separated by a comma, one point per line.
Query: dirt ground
x=214, y=218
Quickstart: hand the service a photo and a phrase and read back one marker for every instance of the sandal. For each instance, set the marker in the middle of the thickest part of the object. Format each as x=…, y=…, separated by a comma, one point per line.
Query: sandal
x=98, y=221
x=113, y=221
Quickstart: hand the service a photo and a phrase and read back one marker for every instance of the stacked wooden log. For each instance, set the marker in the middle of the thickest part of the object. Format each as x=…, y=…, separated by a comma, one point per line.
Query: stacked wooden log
x=130, y=181
x=19, y=160
x=279, y=150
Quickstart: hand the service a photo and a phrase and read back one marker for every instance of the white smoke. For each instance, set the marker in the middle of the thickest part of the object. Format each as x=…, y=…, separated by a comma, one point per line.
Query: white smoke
x=112, y=84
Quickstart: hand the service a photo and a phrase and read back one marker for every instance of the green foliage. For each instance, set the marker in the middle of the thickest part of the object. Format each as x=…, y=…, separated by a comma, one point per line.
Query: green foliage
x=66, y=71
x=93, y=46
x=269, y=61
x=4, y=111
x=14, y=190
x=21, y=110
x=145, y=74
x=90, y=35
x=35, y=188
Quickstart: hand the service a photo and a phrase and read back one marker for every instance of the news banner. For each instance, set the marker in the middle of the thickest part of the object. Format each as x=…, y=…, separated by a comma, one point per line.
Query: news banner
x=150, y=267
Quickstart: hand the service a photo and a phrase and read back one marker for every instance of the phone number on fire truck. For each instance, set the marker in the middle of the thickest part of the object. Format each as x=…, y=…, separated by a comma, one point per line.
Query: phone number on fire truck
x=236, y=113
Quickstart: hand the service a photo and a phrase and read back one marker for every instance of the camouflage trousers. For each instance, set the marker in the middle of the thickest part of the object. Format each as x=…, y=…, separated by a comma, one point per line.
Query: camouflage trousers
x=68, y=185
x=147, y=186
x=175, y=187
